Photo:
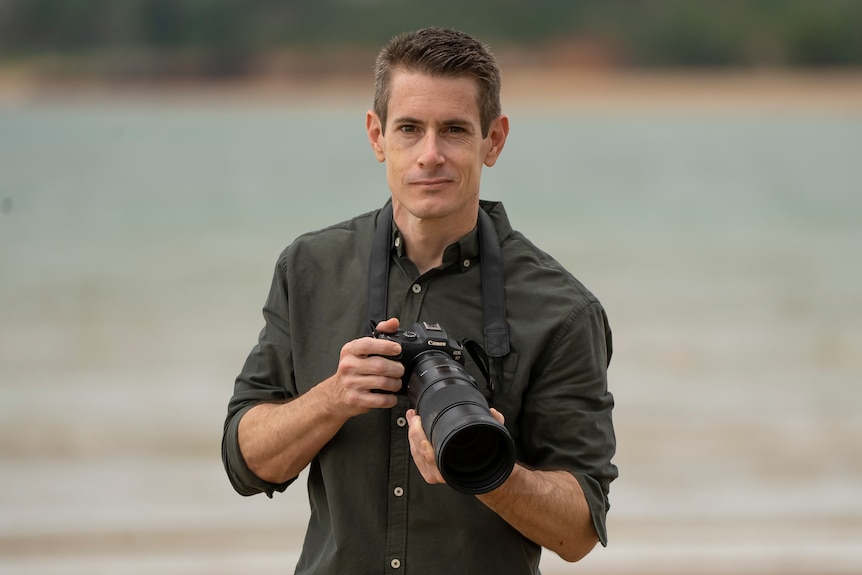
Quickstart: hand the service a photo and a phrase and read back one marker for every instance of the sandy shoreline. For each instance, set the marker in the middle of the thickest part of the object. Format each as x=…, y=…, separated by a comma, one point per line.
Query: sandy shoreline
x=223, y=550
x=756, y=91
x=130, y=522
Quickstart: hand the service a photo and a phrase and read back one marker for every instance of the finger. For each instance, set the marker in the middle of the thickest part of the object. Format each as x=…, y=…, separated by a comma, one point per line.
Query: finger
x=422, y=450
x=388, y=385
x=351, y=366
x=379, y=400
x=369, y=346
x=349, y=394
x=389, y=326
x=369, y=381
x=380, y=366
x=419, y=443
x=498, y=416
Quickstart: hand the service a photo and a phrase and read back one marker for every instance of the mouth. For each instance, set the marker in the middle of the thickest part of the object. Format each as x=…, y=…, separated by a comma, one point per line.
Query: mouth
x=431, y=182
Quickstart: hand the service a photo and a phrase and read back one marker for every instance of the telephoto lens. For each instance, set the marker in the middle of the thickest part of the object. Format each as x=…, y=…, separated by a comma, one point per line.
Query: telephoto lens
x=474, y=452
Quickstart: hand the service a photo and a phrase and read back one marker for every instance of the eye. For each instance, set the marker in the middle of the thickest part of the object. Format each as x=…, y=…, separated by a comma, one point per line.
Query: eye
x=407, y=129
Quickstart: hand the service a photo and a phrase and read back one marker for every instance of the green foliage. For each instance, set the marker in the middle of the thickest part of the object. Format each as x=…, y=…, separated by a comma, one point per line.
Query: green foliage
x=225, y=36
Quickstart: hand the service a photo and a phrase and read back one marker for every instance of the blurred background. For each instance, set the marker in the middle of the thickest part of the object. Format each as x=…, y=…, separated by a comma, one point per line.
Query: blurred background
x=696, y=164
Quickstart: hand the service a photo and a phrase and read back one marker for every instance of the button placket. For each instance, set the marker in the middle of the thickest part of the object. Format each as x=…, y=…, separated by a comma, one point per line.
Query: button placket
x=399, y=467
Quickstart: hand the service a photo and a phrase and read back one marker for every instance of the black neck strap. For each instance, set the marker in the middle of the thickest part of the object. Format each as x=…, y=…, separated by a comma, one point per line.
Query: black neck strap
x=496, y=329
x=493, y=294
x=378, y=269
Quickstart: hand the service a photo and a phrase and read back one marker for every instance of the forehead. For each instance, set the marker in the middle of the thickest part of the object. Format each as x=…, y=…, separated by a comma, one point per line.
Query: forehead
x=424, y=96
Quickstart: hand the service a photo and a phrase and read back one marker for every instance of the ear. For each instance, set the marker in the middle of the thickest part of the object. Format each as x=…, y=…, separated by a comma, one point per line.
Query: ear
x=375, y=134
x=497, y=135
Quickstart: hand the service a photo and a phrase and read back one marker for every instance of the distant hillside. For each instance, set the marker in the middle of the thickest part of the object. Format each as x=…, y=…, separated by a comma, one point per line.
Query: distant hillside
x=236, y=37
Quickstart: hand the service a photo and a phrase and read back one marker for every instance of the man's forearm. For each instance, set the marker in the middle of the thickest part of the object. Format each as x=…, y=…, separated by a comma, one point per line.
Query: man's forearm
x=547, y=507
x=278, y=440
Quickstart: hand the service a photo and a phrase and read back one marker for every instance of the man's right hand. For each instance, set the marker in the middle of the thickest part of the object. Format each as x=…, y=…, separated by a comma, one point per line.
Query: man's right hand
x=278, y=440
x=365, y=378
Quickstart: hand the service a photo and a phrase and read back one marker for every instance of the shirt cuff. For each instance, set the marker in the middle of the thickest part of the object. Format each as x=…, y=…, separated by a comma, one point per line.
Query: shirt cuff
x=243, y=479
x=598, y=504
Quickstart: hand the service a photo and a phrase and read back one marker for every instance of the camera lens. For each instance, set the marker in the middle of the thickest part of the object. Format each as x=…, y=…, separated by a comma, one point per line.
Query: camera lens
x=476, y=458
x=474, y=452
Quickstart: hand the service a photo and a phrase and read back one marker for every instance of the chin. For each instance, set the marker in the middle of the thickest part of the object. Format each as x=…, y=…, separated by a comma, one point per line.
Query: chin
x=430, y=208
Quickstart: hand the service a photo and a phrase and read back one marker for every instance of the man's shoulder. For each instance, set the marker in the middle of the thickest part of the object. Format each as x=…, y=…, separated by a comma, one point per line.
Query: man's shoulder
x=361, y=224
x=341, y=239
x=531, y=268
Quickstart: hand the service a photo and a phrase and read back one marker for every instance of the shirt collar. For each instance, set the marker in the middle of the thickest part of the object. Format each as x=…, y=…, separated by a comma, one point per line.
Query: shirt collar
x=462, y=254
x=465, y=252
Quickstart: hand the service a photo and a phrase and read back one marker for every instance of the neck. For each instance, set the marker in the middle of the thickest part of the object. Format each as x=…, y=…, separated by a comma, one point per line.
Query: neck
x=425, y=240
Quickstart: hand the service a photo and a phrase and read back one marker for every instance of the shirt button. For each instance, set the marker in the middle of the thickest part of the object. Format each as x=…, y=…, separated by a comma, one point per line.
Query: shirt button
x=416, y=288
x=466, y=263
x=395, y=563
x=399, y=491
x=401, y=421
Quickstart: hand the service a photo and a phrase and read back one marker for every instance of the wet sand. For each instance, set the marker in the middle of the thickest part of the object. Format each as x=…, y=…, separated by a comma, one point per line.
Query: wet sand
x=588, y=89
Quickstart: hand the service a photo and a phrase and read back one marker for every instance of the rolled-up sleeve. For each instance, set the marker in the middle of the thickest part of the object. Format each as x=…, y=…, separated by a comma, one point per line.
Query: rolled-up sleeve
x=567, y=420
x=266, y=377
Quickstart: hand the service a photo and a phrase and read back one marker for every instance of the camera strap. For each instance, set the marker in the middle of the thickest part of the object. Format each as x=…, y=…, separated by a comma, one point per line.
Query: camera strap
x=496, y=330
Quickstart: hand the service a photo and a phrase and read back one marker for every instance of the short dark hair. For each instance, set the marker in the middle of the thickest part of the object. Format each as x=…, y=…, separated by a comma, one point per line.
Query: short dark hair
x=439, y=52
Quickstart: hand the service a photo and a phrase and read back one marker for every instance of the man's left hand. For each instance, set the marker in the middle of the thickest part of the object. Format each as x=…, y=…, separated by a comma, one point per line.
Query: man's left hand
x=423, y=451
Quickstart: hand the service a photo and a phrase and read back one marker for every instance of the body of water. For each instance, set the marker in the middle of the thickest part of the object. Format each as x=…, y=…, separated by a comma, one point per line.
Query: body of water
x=137, y=243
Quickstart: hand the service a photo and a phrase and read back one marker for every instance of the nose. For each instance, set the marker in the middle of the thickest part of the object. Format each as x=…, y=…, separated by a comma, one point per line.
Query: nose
x=430, y=154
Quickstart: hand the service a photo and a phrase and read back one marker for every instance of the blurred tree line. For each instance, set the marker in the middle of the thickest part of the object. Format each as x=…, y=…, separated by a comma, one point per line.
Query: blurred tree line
x=231, y=37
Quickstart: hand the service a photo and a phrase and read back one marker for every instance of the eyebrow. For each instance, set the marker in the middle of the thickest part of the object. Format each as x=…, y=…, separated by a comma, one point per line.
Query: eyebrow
x=450, y=122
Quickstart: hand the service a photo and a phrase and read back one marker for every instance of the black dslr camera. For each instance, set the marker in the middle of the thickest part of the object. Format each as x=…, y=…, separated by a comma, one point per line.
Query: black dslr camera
x=474, y=452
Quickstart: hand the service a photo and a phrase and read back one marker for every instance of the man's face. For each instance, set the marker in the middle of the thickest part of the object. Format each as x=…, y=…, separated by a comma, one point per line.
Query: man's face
x=433, y=146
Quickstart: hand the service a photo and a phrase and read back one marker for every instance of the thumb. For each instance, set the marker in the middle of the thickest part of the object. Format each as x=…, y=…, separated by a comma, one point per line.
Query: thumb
x=388, y=326
x=498, y=416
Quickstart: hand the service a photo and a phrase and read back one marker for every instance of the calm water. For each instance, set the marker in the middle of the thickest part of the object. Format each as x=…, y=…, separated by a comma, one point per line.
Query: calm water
x=136, y=248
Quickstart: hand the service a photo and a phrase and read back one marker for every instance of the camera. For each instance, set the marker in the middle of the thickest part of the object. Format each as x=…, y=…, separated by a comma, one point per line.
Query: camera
x=474, y=452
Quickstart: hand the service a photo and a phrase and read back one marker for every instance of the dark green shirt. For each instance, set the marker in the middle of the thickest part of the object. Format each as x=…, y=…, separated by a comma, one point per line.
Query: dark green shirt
x=371, y=511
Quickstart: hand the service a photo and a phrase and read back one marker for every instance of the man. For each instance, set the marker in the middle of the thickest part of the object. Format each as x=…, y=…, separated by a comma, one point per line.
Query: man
x=310, y=391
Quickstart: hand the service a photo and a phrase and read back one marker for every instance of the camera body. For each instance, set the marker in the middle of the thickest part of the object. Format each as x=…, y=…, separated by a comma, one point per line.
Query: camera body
x=474, y=452
x=421, y=338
